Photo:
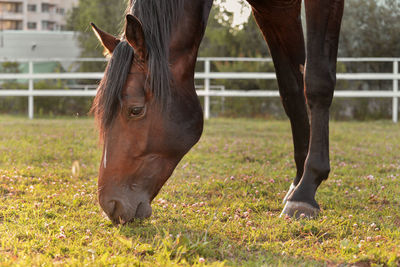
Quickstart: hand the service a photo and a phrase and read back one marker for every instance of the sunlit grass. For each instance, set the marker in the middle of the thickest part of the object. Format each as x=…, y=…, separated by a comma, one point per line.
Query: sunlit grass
x=220, y=207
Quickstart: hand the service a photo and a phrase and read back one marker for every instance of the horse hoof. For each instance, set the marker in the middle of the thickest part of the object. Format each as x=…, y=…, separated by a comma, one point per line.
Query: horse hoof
x=299, y=210
x=289, y=192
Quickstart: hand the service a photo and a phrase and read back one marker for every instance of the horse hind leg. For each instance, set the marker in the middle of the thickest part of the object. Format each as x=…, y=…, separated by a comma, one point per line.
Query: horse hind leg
x=286, y=44
x=323, y=26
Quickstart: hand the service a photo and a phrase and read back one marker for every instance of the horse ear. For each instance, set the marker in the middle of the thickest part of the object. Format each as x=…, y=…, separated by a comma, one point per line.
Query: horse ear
x=107, y=40
x=135, y=36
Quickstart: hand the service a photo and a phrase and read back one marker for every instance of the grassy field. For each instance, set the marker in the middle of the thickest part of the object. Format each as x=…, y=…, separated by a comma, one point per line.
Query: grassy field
x=220, y=207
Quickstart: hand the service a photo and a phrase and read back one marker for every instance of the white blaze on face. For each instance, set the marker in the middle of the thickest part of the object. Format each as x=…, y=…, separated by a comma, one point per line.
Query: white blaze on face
x=105, y=157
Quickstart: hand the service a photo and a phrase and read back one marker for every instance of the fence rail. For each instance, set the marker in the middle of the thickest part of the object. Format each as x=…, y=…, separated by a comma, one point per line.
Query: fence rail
x=207, y=76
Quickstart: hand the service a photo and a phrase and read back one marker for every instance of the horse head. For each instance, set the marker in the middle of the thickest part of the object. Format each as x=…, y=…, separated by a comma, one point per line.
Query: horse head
x=149, y=117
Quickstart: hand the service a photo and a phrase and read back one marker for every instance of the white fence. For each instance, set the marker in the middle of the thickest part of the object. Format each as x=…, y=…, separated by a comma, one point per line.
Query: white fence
x=207, y=76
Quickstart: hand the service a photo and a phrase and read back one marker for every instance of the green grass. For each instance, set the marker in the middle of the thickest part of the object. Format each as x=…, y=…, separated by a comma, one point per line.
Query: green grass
x=221, y=205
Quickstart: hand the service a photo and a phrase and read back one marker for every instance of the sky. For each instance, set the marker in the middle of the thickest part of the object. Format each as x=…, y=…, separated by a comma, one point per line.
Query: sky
x=240, y=16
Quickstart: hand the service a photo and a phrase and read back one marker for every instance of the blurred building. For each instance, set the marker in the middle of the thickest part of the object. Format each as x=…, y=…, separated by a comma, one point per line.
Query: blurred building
x=34, y=15
x=38, y=44
x=36, y=29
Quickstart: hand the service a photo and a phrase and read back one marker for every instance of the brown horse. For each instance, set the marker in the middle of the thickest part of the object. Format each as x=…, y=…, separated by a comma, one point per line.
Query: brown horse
x=149, y=114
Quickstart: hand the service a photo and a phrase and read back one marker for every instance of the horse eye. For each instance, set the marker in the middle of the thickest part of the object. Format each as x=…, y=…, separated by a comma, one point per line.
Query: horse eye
x=135, y=111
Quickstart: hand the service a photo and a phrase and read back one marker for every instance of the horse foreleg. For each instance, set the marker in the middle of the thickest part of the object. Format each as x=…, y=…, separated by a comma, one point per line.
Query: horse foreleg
x=323, y=27
x=283, y=32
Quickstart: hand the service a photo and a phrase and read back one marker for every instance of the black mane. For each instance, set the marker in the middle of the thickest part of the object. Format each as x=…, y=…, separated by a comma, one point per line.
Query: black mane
x=158, y=18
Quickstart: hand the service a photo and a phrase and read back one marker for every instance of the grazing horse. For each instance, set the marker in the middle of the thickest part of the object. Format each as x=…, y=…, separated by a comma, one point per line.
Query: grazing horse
x=149, y=114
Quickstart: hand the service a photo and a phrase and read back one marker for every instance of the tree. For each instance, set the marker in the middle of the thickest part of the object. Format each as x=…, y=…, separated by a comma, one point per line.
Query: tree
x=224, y=40
x=108, y=15
x=370, y=28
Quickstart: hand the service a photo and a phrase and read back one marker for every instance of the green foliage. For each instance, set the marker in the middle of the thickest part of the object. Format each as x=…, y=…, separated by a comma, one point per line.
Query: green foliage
x=221, y=40
x=44, y=106
x=56, y=106
x=215, y=210
x=12, y=105
x=109, y=17
x=370, y=28
x=10, y=67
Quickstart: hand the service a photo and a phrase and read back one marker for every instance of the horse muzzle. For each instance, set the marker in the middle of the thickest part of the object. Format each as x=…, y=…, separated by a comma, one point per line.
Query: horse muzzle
x=122, y=209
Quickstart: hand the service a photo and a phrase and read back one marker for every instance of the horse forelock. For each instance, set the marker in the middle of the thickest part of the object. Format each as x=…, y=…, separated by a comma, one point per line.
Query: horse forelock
x=108, y=97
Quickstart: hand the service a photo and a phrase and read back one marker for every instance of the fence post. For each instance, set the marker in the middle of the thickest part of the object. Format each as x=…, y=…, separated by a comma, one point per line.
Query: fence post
x=30, y=97
x=395, y=109
x=207, y=89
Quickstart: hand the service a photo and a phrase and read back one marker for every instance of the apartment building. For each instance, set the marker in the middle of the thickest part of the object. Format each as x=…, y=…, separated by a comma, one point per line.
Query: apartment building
x=34, y=15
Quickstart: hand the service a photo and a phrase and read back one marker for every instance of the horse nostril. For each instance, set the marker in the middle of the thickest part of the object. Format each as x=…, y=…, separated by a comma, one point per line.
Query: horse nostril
x=111, y=207
x=120, y=212
x=143, y=210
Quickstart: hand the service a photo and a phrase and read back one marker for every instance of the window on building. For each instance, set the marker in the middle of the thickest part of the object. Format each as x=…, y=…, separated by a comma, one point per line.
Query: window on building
x=48, y=25
x=19, y=8
x=32, y=25
x=46, y=8
x=32, y=8
x=11, y=7
x=61, y=11
x=11, y=24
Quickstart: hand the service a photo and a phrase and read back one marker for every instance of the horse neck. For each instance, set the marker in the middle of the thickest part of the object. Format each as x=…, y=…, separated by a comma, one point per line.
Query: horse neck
x=186, y=38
